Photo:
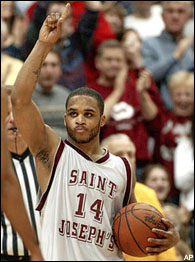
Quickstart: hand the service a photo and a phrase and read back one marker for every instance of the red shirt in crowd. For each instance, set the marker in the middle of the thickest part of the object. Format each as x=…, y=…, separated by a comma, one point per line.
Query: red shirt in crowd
x=103, y=32
x=167, y=129
x=126, y=115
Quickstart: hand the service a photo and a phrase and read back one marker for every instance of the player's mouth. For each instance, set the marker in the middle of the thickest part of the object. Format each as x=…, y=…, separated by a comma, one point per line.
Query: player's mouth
x=80, y=129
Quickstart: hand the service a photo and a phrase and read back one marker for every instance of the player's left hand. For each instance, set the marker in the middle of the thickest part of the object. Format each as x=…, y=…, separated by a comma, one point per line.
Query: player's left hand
x=51, y=29
x=169, y=238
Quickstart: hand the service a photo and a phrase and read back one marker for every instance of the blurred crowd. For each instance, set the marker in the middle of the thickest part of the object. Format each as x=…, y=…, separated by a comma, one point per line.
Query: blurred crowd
x=139, y=55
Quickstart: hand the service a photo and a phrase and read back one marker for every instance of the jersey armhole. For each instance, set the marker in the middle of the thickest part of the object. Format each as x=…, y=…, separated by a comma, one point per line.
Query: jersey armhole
x=56, y=160
x=129, y=182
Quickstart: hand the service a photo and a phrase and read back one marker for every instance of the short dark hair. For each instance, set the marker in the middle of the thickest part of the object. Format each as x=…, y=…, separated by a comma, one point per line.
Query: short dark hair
x=85, y=91
x=110, y=43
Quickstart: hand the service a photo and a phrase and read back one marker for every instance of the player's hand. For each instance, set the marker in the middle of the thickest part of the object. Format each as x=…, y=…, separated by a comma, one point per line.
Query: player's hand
x=51, y=29
x=169, y=238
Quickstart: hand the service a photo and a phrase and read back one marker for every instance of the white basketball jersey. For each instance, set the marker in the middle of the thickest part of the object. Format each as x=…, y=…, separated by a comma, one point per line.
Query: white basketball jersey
x=80, y=203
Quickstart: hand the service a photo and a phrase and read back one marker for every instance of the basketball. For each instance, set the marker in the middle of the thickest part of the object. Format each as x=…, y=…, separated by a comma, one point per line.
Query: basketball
x=132, y=226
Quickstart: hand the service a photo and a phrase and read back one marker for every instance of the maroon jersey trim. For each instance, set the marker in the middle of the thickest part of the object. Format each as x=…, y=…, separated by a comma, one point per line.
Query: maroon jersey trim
x=128, y=187
x=99, y=161
x=56, y=160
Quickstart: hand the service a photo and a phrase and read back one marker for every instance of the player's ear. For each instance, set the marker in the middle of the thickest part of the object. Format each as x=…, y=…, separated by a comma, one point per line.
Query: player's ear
x=103, y=120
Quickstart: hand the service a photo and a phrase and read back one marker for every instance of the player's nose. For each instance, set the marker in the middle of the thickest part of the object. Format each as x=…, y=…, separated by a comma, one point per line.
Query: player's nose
x=80, y=119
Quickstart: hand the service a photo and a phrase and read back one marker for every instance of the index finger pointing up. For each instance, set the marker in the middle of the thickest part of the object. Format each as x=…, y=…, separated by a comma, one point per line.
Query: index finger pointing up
x=66, y=12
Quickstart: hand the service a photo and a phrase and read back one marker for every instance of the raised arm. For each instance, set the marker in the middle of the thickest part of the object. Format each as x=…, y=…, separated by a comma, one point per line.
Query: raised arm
x=118, y=89
x=27, y=116
x=148, y=108
x=11, y=193
x=88, y=24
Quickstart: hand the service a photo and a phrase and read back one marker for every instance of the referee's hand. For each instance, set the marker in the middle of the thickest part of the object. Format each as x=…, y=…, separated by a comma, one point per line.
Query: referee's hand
x=36, y=255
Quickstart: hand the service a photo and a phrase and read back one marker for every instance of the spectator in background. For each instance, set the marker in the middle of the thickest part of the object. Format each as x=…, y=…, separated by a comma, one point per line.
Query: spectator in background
x=110, y=25
x=184, y=176
x=23, y=6
x=114, y=14
x=38, y=16
x=10, y=66
x=175, y=214
x=17, y=24
x=49, y=96
x=146, y=19
x=181, y=221
x=170, y=51
x=118, y=86
x=74, y=45
x=168, y=127
x=189, y=26
x=128, y=6
x=171, y=211
x=12, y=246
x=121, y=145
x=157, y=177
x=184, y=171
x=132, y=45
x=7, y=13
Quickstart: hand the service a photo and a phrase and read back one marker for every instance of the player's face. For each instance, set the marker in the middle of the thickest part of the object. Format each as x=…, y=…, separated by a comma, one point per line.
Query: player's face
x=183, y=100
x=83, y=120
x=158, y=180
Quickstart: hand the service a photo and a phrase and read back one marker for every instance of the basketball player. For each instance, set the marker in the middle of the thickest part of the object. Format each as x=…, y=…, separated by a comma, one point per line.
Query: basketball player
x=83, y=184
x=11, y=198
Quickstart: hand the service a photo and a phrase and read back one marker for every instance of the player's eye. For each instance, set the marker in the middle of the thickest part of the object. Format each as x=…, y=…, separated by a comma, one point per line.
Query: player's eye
x=73, y=114
x=88, y=114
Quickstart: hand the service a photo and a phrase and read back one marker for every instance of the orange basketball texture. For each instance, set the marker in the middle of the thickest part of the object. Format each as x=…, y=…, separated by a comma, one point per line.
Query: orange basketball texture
x=132, y=226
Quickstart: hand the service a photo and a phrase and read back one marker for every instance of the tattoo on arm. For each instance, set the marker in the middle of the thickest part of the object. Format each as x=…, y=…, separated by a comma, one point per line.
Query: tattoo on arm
x=37, y=72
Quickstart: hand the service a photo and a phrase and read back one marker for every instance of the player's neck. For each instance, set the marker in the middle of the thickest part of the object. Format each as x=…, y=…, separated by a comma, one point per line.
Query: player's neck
x=92, y=149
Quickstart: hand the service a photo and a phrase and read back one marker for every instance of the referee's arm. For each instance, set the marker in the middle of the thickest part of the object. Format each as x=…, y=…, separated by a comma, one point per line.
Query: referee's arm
x=11, y=193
